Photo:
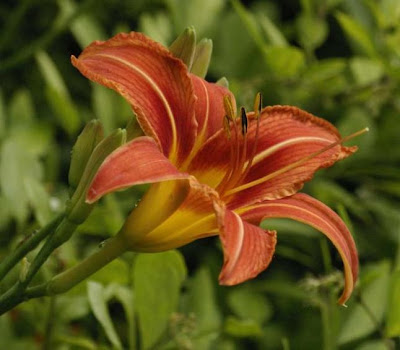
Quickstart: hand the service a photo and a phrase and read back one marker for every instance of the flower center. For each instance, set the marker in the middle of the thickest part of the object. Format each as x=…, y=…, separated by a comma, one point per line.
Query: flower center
x=241, y=158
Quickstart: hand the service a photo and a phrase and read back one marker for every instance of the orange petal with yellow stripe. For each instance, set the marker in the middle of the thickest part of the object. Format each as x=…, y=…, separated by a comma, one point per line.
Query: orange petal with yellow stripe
x=137, y=162
x=308, y=210
x=156, y=84
x=248, y=249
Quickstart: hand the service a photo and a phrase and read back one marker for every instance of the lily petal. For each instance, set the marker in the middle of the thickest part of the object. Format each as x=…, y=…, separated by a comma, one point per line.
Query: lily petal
x=286, y=135
x=174, y=220
x=248, y=249
x=156, y=84
x=210, y=110
x=137, y=162
x=308, y=210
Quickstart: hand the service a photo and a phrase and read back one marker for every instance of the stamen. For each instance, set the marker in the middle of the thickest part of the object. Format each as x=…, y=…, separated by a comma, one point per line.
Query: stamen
x=228, y=105
x=244, y=120
x=295, y=164
x=257, y=112
x=258, y=104
x=227, y=126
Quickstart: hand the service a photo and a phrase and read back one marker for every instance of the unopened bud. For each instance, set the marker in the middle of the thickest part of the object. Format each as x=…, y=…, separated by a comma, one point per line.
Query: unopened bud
x=89, y=138
x=223, y=82
x=25, y=264
x=202, y=57
x=184, y=46
x=78, y=210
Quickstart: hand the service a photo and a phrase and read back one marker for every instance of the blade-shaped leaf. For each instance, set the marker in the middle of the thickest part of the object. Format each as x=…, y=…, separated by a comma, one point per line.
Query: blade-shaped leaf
x=157, y=280
x=99, y=306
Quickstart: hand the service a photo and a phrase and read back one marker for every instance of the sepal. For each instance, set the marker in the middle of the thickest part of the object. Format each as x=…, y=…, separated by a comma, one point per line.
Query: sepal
x=87, y=141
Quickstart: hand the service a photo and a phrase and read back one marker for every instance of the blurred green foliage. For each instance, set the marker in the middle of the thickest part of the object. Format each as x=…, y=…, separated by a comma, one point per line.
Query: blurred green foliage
x=338, y=59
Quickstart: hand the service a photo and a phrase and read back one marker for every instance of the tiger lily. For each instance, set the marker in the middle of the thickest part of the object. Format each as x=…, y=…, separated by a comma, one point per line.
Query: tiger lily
x=212, y=172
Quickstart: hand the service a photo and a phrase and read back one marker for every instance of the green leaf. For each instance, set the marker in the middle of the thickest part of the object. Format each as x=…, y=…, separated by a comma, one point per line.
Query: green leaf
x=34, y=137
x=201, y=14
x=21, y=110
x=57, y=94
x=201, y=300
x=373, y=345
x=248, y=304
x=99, y=306
x=274, y=36
x=241, y=328
x=125, y=297
x=39, y=199
x=250, y=23
x=16, y=164
x=157, y=279
x=2, y=116
x=284, y=61
x=157, y=26
x=393, y=314
x=311, y=31
x=355, y=119
x=374, y=287
x=366, y=71
x=331, y=194
x=356, y=33
x=324, y=70
x=84, y=27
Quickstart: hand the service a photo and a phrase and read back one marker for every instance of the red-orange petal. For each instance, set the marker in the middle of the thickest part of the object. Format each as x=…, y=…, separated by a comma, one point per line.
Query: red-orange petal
x=210, y=110
x=156, y=84
x=308, y=210
x=248, y=249
x=172, y=214
x=286, y=134
x=137, y=162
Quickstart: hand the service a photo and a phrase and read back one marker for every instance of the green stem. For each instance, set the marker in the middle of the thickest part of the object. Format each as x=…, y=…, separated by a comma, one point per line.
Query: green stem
x=70, y=278
x=64, y=232
x=50, y=323
x=11, y=260
x=16, y=294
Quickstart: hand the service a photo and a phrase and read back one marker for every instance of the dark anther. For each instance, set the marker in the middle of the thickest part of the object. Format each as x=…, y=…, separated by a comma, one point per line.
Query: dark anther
x=244, y=120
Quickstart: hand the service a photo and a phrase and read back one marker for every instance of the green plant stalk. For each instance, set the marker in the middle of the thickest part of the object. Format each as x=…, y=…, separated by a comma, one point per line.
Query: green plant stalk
x=71, y=277
x=16, y=294
x=31, y=243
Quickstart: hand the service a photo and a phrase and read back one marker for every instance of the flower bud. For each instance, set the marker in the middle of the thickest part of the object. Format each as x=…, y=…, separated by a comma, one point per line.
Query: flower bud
x=89, y=138
x=202, y=57
x=184, y=46
x=77, y=208
x=25, y=264
x=223, y=82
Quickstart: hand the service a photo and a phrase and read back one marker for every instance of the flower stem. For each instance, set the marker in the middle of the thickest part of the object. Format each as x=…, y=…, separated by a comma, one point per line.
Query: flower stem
x=31, y=243
x=68, y=279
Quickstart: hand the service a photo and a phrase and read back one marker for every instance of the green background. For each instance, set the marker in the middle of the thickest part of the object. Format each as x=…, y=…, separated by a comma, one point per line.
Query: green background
x=338, y=59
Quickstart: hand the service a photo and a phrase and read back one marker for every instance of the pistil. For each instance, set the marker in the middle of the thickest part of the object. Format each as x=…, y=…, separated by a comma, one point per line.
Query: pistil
x=294, y=165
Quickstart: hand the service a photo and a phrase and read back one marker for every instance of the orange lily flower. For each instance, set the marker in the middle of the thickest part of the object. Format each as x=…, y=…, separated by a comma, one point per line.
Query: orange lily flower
x=213, y=173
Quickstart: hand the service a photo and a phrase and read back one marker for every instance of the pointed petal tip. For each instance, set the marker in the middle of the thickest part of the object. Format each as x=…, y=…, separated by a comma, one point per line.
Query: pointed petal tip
x=248, y=249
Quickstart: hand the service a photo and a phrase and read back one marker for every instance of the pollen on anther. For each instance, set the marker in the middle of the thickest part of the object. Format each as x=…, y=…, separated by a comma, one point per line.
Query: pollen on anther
x=244, y=120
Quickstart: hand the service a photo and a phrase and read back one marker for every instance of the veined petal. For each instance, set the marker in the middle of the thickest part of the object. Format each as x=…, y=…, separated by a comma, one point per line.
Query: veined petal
x=210, y=110
x=156, y=84
x=286, y=135
x=173, y=214
x=308, y=210
x=248, y=249
x=137, y=162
